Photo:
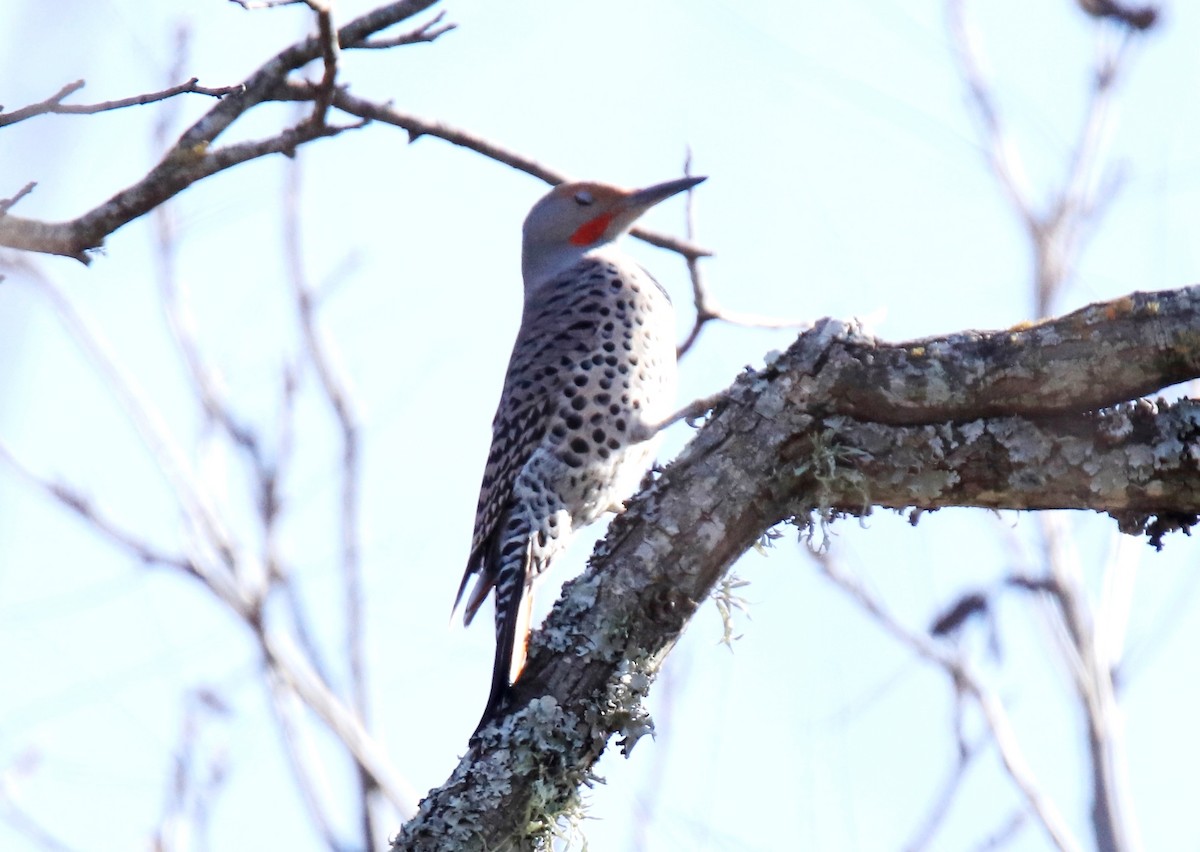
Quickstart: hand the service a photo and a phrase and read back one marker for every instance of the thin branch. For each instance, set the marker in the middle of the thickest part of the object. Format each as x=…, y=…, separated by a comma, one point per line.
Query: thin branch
x=17, y=818
x=1003, y=156
x=78, y=504
x=251, y=5
x=330, y=50
x=322, y=355
x=426, y=33
x=305, y=759
x=196, y=505
x=296, y=674
x=193, y=157
x=54, y=105
x=994, y=713
x=1134, y=17
x=705, y=304
x=7, y=203
x=416, y=127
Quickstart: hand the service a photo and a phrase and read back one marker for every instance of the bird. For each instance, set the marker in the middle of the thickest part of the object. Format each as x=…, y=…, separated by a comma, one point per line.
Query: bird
x=591, y=374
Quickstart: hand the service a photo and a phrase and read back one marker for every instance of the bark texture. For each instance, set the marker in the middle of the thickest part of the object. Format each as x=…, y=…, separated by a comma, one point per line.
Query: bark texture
x=1034, y=417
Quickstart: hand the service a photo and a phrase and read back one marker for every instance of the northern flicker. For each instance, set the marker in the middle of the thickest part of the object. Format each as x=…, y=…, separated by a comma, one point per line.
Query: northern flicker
x=591, y=373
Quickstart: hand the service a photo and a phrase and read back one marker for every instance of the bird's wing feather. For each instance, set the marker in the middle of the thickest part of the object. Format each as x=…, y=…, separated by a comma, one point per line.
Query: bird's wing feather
x=533, y=391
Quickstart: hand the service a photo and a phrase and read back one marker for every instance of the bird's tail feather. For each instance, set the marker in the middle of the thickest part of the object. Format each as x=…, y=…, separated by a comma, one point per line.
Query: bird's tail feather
x=514, y=614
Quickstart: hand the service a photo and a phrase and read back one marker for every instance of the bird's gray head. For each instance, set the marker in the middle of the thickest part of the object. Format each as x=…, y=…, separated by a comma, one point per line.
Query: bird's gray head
x=575, y=218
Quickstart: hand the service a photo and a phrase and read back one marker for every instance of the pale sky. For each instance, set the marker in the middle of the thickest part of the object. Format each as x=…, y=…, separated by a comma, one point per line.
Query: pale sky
x=845, y=179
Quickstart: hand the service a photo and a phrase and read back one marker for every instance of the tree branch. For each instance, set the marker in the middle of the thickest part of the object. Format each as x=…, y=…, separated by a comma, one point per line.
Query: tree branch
x=193, y=156
x=54, y=105
x=837, y=424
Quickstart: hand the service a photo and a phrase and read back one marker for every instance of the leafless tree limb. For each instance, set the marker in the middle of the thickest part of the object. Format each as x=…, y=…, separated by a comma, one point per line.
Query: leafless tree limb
x=837, y=424
x=1088, y=641
x=424, y=34
x=252, y=5
x=965, y=680
x=7, y=203
x=705, y=304
x=227, y=569
x=198, y=773
x=84, y=508
x=12, y=812
x=193, y=156
x=308, y=766
x=321, y=353
x=1134, y=17
x=54, y=105
x=1059, y=231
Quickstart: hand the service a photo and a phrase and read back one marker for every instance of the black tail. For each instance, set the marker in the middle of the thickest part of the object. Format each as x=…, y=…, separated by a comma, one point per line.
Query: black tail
x=513, y=615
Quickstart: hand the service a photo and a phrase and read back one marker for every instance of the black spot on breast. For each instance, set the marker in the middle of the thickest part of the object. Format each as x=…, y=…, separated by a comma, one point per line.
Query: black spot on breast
x=598, y=436
x=572, y=460
x=603, y=452
x=620, y=421
x=558, y=431
x=614, y=444
x=579, y=445
x=574, y=421
x=580, y=381
x=579, y=403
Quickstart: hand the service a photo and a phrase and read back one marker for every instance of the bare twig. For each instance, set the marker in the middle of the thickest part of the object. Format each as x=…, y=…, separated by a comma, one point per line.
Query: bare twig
x=268, y=4
x=418, y=127
x=1090, y=649
x=1059, y=232
x=322, y=355
x=71, y=499
x=198, y=773
x=706, y=305
x=7, y=203
x=424, y=34
x=193, y=156
x=11, y=811
x=54, y=105
x=964, y=679
x=330, y=50
x=304, y=758
x=1134, y=17
x=196, y=505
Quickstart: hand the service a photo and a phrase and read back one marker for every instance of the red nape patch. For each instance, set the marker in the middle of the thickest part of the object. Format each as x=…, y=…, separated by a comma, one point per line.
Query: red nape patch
x=591, y=231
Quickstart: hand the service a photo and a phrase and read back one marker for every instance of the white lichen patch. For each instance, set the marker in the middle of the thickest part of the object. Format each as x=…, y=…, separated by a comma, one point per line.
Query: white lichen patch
x=1025, y=446
x=971, y=432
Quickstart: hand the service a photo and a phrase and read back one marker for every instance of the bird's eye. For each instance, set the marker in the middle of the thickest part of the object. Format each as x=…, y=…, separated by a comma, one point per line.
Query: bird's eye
x=583, y=198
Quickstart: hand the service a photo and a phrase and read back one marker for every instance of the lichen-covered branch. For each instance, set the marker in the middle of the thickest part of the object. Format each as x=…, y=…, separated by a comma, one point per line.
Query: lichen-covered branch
x=838, y=424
